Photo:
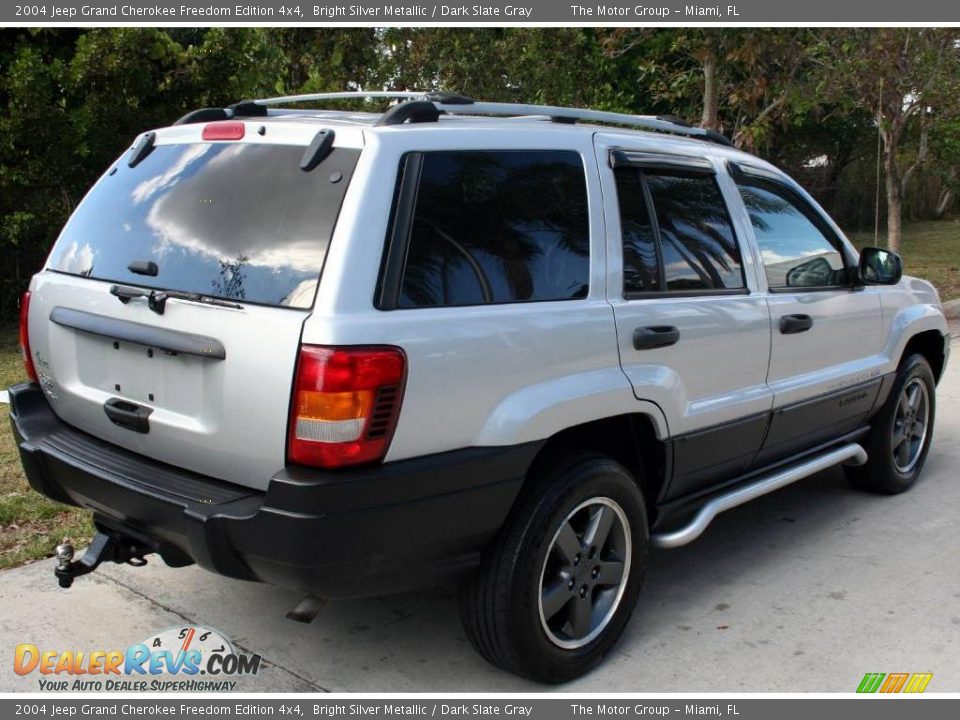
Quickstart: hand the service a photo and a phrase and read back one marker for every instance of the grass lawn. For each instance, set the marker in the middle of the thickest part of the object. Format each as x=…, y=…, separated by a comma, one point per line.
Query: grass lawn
x=931, y=250
x=30, y=525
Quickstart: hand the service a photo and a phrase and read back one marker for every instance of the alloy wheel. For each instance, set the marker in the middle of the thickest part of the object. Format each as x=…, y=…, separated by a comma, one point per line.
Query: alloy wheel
x=910, y=425
x=585, y=573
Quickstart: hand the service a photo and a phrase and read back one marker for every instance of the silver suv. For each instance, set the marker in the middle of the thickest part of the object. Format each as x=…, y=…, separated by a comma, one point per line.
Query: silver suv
x=510, y=346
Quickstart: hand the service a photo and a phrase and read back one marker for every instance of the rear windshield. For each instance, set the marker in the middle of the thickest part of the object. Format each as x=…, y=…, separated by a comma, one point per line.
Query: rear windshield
x=238, y=221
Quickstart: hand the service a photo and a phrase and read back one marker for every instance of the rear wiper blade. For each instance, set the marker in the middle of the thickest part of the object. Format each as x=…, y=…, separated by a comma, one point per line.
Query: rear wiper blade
x=157, y=299
x=160, y=298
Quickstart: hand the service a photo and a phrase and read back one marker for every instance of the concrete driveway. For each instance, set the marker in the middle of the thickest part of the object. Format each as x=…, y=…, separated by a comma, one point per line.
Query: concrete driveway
x=803, y=590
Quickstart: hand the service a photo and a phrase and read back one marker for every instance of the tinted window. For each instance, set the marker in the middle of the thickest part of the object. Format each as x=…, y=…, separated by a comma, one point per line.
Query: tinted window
x=495, y=227
x=233, y=220
x=691, y=244
x=641, y=272
x=696, y=238
x=796, y=253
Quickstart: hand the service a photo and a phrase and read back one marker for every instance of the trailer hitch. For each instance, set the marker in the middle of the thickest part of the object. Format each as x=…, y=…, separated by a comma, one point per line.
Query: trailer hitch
x=104, y=547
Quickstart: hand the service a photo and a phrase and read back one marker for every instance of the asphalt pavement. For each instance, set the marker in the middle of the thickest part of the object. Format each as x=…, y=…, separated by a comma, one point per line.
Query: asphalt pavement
x=806, y=589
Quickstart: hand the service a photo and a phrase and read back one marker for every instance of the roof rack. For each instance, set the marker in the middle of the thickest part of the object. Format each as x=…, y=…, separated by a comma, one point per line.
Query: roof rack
x=446, y=98
x=451, y=103
x=562, y=114
x=357, y=95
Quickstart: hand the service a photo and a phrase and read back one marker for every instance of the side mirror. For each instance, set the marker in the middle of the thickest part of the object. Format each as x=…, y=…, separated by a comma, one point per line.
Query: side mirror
x=879, y=267
x=812, y=273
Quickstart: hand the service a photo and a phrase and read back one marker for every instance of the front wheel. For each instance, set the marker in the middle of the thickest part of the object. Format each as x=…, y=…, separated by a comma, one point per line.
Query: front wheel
x=900, y=437
x=559, y=584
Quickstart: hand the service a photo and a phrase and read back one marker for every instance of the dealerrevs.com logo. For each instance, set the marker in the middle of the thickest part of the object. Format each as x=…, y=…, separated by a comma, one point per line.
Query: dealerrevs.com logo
x=177, y=659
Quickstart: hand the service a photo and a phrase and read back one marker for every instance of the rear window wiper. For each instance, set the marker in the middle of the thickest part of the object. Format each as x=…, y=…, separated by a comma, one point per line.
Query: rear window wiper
x=157, y=299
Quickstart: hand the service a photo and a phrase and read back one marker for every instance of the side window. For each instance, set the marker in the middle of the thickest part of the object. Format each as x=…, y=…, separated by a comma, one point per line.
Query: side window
x=796, y=252
x=686, y=243
x=497, y=227
x=696, y=236
x=641, y=265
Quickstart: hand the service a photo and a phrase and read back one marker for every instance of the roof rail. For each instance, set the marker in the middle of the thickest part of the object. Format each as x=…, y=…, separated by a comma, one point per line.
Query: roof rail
x=561, y=114
x=448, y=98
x=350, y=95
x=460, y=105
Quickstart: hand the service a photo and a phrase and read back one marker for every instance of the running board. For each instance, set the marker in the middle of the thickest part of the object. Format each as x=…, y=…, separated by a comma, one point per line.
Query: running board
x=851, y=454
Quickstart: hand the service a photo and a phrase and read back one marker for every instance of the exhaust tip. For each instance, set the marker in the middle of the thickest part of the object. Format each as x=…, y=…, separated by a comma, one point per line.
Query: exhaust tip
x=307, y=609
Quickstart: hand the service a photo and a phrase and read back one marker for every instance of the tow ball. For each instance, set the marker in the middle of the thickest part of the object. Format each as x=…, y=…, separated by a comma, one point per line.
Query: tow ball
x=104, y=547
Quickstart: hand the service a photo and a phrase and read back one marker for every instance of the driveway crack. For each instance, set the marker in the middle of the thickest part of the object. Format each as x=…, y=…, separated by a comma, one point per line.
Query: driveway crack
x=192, y=621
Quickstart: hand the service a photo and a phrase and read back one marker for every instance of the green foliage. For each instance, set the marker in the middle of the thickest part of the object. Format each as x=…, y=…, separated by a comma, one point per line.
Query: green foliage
x=945, y=149
x=531, y=65
x=761, y=75
x=901, y=75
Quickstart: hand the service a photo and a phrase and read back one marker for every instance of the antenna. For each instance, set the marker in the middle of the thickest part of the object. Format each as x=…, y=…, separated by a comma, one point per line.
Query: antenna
x=876, y=210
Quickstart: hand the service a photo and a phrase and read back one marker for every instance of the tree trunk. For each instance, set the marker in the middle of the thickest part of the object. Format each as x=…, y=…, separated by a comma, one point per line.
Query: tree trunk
x=711, y=92
x=943, y=203
x=921, y=155
x=894, y=199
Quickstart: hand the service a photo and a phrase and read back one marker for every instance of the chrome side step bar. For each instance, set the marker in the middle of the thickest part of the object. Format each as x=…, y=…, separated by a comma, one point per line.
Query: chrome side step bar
x=851, y=454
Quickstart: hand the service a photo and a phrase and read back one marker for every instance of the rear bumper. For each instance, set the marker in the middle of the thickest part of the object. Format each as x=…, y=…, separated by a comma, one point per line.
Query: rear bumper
x=366, y=531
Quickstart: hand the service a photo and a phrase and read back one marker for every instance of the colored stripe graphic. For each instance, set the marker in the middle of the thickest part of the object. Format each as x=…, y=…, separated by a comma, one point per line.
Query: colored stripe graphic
x=894, y=682
x=918, y=682
x=871, y=682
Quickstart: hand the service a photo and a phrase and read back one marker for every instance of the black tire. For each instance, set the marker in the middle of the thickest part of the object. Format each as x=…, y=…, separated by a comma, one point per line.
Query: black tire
x=502, y=607
x=892, y=466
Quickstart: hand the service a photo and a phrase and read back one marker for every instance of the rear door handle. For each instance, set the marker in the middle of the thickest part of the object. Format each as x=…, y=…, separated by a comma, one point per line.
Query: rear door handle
x=793, y=324
x=655, y=336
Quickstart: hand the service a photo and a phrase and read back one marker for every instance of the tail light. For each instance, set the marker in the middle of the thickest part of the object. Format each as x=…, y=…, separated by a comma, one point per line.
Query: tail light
x=345, y=404
x=25, y=337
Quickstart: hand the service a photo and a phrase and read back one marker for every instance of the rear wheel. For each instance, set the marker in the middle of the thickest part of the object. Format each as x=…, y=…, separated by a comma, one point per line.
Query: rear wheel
x=900, y=438
x=557, y=587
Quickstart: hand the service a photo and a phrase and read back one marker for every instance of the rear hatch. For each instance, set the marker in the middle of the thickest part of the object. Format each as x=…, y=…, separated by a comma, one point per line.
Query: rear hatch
x=230, y=238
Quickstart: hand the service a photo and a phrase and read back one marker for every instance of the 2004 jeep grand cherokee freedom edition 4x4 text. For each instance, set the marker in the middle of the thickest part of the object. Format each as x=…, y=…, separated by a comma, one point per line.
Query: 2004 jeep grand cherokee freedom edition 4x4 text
x=511, y=346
